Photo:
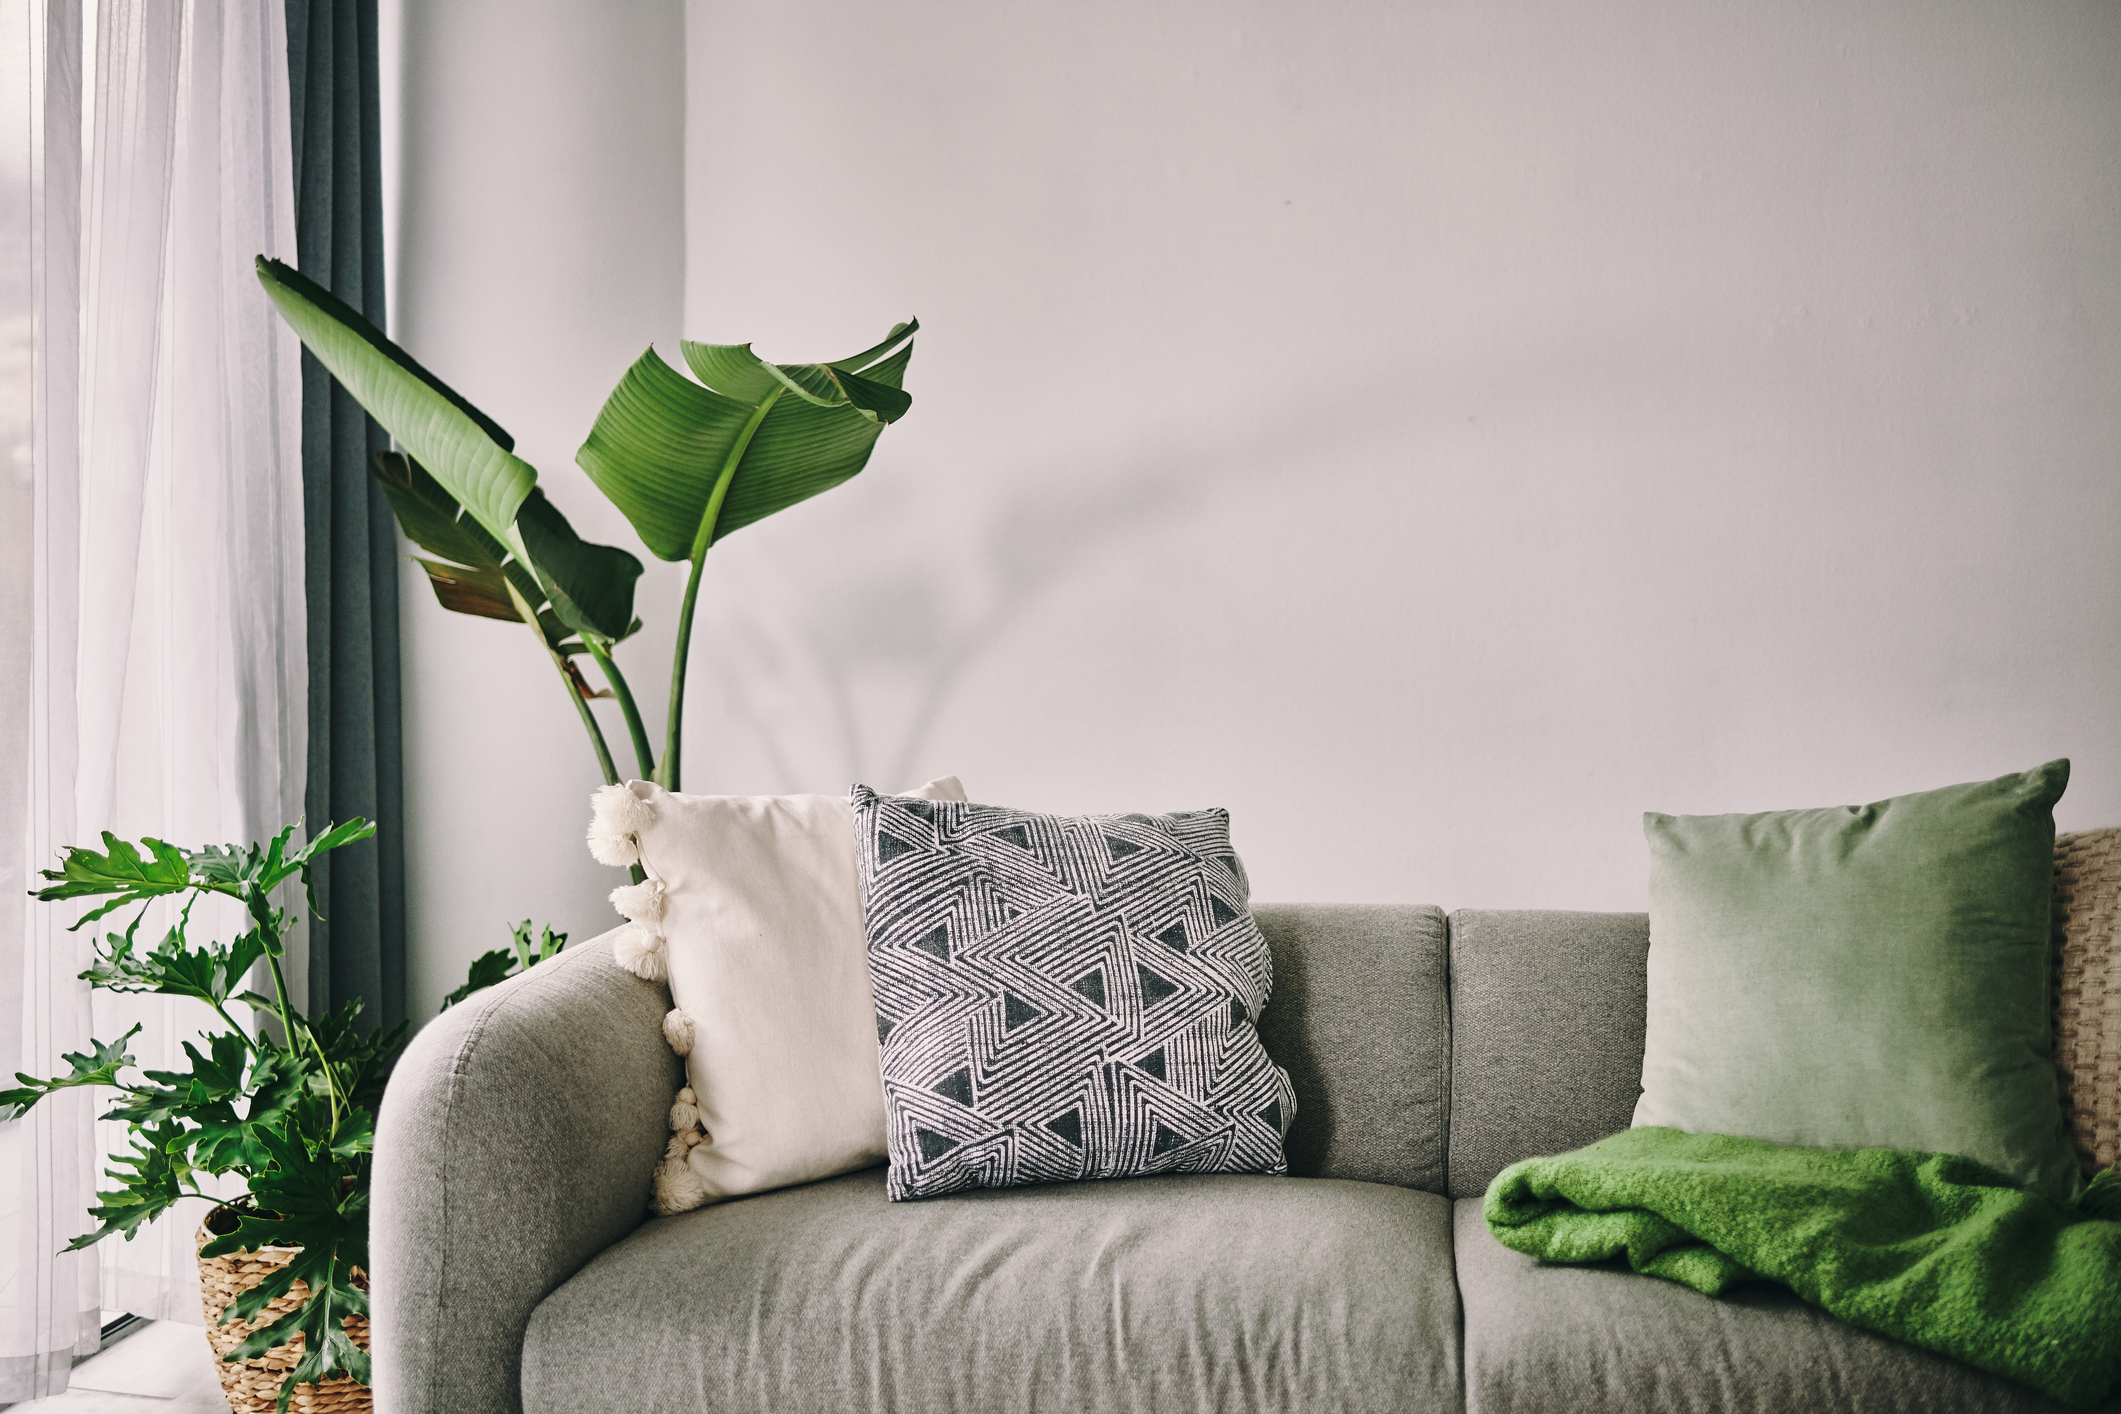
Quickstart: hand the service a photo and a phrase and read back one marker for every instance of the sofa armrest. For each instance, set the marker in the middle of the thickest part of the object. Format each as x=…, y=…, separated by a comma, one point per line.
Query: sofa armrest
x=516, y=1141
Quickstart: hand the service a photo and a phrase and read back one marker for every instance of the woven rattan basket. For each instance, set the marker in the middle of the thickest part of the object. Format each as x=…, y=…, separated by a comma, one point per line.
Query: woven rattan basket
x=2087, y=991
x=253, y=1386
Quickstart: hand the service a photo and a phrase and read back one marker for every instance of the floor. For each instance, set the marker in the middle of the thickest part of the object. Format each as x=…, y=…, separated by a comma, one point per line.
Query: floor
x=161, y=1368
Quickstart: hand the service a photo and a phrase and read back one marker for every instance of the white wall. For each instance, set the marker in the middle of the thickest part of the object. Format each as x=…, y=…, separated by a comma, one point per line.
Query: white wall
x=539, y=227
x=1439, y=432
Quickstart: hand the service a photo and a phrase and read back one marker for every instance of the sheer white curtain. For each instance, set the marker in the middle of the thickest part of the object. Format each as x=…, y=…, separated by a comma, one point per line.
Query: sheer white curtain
x=155, y=539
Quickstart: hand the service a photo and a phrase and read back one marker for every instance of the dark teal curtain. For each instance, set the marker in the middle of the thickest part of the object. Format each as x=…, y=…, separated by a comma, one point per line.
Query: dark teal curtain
x=356, y=752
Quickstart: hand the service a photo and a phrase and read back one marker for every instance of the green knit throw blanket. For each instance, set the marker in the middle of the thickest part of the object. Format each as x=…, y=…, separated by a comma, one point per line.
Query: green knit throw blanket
x=1932, y=1249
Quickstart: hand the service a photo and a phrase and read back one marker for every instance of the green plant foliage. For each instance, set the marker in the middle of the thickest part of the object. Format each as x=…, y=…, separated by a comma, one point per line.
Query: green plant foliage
x=292, y=1116
x=686, y=462
x=689, y=463
x=479, y=572
x=466, y=450
x=503, y=963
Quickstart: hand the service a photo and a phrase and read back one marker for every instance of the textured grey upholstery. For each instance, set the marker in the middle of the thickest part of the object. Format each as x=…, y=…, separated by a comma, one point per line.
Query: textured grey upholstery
x=513, y=1270
x=514, y=1144
x=1591, y=1340
x=1547, y=1019
x=1226, y=1293
x=1360, y=1018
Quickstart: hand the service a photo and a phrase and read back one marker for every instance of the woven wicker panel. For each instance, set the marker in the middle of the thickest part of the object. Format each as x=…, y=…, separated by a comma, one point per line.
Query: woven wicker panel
x=253, y=1386
x=2088, y=991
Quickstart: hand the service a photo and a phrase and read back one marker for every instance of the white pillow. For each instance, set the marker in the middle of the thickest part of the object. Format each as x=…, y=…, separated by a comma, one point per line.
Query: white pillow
x=753, y=911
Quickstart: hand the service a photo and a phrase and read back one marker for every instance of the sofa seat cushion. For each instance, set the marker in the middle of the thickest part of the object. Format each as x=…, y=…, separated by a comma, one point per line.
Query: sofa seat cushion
x=1236, y=1292
x=1580, y=1340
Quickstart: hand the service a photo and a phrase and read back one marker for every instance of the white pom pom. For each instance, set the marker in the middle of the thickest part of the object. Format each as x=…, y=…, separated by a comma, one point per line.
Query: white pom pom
x=683, y=1116
x=617, y=817
x=687, y=1096
x=623, y=811
x=678, y=1031
x=677, y=1146
x=608, y=847
x=641, y=953
x=678, y=1187
x=639, y=903
x=690, y=1138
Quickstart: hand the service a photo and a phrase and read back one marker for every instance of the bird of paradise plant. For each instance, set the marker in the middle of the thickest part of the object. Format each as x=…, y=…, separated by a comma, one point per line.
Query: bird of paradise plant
x=687, y=462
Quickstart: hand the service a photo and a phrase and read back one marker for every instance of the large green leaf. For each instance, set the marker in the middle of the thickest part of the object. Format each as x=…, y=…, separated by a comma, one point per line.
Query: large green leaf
x=589, y=586
x=734, y=371
x=800, y=450
x=83, y=873
x=247, y=870
x=157, y=1178
x=476, y=569
x=861, y=362
x=662, y=442
x=433, y=519
x=828, y=387
x=173, y=968
x=304, y=1201
x=891, y=372
x=500, y=964
x=99, y=1067
x=656, y=448
x=467, y=452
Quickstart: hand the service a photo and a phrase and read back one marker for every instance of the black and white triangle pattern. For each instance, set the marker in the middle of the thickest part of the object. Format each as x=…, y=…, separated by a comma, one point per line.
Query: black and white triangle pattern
x=1064, y=998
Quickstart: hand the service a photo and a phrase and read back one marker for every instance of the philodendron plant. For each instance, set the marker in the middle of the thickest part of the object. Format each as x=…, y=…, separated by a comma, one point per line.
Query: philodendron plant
x=288, y=1107
x=686, y=462
x=291, y=1114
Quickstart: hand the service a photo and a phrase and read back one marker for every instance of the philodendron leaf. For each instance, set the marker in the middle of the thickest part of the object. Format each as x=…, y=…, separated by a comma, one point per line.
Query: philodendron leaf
x=121, y=871
x=466, y=450
x=662, y=442
x=151, y=1179
x=486, y=969
x=97, y=1067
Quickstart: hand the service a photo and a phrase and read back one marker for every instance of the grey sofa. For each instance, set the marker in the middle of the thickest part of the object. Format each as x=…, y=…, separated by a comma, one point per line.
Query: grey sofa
x=514, y=1268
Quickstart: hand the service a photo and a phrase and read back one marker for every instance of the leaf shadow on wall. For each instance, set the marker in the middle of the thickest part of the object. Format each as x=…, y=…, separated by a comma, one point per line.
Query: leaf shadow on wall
x=863, y=671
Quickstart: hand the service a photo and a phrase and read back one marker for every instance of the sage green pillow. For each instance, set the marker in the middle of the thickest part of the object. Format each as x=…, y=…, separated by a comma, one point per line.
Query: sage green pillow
x=1865, y=976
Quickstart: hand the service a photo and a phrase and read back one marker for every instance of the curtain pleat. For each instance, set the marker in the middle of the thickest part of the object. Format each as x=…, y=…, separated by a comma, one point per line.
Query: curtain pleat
x=166, y=634
x=356, y=753
x=48, y=1301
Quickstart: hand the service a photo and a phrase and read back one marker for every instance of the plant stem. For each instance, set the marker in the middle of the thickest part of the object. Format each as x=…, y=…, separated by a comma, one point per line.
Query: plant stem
x=589, y=720
x=529, y=616
x=248, y=1039
x=287, y=1017
x=624, y=693
x=674, y=722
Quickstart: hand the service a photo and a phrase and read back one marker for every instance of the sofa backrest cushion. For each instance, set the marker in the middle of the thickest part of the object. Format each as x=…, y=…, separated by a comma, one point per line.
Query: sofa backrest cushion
x=1547, y=1020
x=1360, y=1018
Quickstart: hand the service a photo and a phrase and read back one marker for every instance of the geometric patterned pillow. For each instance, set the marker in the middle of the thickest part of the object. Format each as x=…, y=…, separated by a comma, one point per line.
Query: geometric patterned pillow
x=1063, y=998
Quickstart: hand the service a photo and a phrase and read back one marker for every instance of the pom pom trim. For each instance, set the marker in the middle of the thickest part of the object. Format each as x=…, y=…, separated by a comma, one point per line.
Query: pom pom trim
x=641, y=953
